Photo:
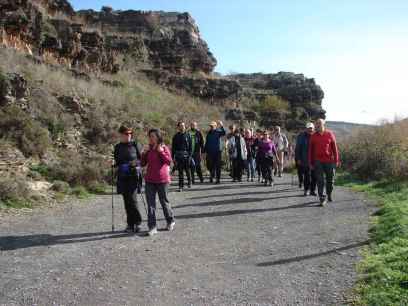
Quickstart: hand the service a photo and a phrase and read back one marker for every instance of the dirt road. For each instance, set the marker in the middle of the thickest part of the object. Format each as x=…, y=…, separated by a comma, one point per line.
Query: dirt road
x=234, y=244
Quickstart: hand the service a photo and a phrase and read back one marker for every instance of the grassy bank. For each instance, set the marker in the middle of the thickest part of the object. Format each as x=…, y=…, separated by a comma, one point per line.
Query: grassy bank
x=384, y=269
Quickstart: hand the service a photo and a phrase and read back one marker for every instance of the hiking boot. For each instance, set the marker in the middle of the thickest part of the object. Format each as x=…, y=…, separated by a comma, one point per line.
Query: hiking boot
x=313, y=193
x=152, y=232
x=323, y=202
x=129, y=229
x=137, y=229
x=252, y=180
x=271, y=183
x=180, y=190
x=170, y=226
x=259, y=179
x=211, y=180
x=330, y=198
x=189, y=185
x=217, y=182
x=306, y=193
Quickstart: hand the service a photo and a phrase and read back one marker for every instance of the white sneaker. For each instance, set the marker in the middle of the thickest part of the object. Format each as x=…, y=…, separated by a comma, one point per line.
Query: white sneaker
x=152, y=232
x=170, y=226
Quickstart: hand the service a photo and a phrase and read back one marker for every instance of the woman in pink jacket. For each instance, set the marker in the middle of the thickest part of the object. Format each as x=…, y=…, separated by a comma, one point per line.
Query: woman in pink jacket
x=157, y=158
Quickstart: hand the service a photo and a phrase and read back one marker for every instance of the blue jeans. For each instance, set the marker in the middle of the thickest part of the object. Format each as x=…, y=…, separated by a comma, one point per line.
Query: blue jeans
x=251, y=168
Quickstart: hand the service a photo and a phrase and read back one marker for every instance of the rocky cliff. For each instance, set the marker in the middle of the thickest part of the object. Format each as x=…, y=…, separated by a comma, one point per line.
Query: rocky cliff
x=166, y=47
x=303, y=95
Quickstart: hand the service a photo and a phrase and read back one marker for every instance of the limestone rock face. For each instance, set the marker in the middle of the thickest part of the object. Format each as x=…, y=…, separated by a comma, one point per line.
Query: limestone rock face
x=105, y=40
x=303, y=94
x=13, y=88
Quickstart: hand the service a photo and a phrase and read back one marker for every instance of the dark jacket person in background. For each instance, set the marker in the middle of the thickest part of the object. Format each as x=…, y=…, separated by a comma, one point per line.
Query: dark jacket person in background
x=213, y=149
x=324, y=158
x=197, y=142
x=307, y=177
x=182, y=152
x=127, y=155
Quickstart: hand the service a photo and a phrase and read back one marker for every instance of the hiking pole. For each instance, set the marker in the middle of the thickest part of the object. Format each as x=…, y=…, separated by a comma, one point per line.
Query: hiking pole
x=144, y=203
x=113, y=210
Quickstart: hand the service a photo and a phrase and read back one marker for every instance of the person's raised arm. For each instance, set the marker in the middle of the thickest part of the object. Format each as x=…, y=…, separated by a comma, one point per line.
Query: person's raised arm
x=165, y=155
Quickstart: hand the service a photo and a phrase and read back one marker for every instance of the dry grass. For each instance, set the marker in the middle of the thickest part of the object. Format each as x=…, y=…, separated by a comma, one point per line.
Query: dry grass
x=378, y=152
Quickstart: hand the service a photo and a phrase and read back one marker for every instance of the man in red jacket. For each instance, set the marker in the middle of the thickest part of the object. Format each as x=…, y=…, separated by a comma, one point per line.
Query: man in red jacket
x=324, y=158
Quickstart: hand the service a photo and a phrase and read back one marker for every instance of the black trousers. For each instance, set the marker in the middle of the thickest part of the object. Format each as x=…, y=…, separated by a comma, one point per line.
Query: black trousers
x=325, y=173
x=307, y=177
x=183, y=166
x=133, y=215
x=267, y=168
x=214, y=165
x=196, y=168
x=237, y=168
x=161, y=190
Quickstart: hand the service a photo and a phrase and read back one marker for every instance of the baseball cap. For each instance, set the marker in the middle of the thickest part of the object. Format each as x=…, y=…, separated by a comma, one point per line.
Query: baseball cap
x=310, y=125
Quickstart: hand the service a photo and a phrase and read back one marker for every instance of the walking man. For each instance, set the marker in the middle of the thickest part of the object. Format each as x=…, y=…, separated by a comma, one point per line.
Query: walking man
x=197, y=142
x=282, y=144
x=182, y=154
x=323, y=159
x=213, y=150
x=307, y=177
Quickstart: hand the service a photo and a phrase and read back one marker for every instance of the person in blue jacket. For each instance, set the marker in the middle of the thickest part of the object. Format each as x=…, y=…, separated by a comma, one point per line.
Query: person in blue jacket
x=307, y=176
x=213, y=150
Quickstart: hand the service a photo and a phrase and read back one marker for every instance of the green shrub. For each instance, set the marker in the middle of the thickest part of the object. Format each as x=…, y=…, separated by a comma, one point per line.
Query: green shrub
x=61, y=187
x=377, y=153
x=28, y=135
x=14, y=192
x=80, y=192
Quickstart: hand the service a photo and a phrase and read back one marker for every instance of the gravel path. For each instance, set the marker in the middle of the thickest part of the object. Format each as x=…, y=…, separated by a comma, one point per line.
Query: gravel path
x=234, y=244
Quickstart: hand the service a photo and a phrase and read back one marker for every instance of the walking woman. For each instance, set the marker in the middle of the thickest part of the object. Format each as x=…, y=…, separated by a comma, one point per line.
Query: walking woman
x=127, y=155
x=238, y=154
x=267, y=155
x=157, y=157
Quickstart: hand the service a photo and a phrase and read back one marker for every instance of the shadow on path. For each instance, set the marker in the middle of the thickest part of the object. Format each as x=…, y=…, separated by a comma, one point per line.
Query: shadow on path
x=311, y=256
x=237, y=201
x=9, y=243
x=271, y=191
x=241, y=211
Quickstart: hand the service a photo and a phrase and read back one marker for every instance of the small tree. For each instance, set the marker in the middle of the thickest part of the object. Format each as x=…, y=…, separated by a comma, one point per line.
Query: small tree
x=273, y=104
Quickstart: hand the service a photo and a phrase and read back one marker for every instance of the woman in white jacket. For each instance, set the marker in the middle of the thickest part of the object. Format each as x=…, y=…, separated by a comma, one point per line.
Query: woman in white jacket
x=282, y=144
x=238, y=153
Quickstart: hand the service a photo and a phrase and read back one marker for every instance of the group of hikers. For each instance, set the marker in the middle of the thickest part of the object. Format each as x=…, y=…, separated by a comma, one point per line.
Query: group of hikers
x=261, y=153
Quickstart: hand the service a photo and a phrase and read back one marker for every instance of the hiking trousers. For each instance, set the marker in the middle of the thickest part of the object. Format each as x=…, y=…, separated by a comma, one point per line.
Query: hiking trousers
x=214, y=165
x=307, y=177
x=161, y=190
x=325, y=173
x=183, y=166
x=196, y=168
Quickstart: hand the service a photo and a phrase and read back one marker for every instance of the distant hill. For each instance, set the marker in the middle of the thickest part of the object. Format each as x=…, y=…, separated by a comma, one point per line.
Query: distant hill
x=344, y=129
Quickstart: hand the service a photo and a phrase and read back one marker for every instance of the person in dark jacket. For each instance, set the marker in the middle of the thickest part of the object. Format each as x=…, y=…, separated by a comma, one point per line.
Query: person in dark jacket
x=197, y=141
x=307, y=176
x=182, y=154
x=127, y=156
x=255, y=148
x=238, y=153
x=213, y=150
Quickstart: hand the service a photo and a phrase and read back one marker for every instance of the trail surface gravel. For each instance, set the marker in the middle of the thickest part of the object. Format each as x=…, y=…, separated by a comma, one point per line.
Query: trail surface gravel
x=234, y=244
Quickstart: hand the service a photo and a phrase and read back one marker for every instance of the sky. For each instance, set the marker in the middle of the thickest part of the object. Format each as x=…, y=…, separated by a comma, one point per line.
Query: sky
x=357, y=50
